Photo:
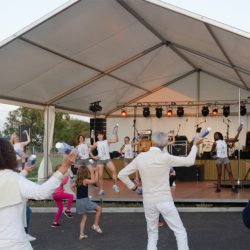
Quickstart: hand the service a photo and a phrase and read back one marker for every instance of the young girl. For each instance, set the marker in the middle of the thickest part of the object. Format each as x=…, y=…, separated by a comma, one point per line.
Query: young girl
x=83, y=203
x=59, y=195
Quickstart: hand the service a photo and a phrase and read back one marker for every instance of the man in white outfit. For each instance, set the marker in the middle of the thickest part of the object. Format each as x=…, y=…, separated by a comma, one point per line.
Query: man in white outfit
x=154, y=167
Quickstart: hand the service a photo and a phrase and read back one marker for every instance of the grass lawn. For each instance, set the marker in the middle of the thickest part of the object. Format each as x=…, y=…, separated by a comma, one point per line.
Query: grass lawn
x=55, y=160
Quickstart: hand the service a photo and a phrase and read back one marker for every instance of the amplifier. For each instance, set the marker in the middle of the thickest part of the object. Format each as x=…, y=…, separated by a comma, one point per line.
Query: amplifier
x=145, y=134
x=178, y=149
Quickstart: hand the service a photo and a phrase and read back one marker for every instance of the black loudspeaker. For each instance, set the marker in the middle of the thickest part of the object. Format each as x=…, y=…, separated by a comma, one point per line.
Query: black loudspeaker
x=22, y=135
x=248, y=141
x=193, y=173
x=99, y=124
x=180, y=138
x=179, y=149
x=206, y=155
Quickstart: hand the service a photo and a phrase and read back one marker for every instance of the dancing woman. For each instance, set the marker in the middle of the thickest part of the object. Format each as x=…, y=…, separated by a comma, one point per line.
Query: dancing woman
x=128, y=152
x=220, y=151
x=103, y=159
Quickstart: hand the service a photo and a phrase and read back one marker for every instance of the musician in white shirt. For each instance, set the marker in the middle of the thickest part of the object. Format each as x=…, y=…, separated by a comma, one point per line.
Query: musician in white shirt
x=103, y=159
x=154, y=167
x=220, y=152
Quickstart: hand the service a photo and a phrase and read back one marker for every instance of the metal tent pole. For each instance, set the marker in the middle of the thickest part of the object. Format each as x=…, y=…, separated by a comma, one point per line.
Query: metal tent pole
x=238, y=181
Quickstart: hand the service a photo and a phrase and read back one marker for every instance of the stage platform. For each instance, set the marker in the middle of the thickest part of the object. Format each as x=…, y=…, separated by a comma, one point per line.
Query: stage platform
x=183, y=193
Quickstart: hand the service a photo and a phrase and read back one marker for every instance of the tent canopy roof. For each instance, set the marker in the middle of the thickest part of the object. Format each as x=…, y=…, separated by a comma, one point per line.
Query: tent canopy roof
x=117, y=52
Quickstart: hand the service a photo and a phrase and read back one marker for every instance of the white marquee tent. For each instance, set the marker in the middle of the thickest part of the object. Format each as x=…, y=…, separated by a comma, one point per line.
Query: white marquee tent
x=122, y=52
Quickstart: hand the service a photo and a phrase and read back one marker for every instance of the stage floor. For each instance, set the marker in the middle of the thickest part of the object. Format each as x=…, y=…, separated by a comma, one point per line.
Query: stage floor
x=203, y=191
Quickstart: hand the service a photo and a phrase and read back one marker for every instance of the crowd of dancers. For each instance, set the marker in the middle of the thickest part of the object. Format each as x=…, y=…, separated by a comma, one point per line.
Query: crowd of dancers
x=152, y=170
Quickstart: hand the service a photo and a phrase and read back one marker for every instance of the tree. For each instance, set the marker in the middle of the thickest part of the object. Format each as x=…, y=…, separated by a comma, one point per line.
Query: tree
x=27, y=116
x=66, y=129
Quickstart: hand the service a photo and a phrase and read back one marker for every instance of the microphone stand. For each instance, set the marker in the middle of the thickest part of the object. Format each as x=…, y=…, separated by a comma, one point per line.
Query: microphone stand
x=135, y=129
x=178, y=130
x=197, y=125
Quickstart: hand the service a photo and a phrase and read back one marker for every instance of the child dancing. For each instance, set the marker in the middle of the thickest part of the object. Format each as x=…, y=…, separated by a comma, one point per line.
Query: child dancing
x=83, y=203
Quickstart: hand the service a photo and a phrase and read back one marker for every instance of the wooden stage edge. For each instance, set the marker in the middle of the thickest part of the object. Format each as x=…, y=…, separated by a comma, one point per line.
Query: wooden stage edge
x=203, y=170
x=197, y=192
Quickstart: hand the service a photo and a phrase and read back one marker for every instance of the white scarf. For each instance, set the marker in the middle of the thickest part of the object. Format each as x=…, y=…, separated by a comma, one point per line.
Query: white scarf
x=9, y=189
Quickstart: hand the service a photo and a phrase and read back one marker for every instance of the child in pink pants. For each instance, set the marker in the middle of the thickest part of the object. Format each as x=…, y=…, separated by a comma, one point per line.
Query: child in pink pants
x=59, y=195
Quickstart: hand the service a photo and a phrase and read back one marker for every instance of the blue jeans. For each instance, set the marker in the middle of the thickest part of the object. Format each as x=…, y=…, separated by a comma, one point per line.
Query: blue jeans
x=28, y=214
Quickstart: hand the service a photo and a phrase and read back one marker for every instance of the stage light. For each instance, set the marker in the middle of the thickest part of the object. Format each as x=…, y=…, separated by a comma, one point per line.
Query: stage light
x=215, y=111
x=226, y=110
x=158, y=112
x=169, y=112
x=205, y=111
x=95, y=107
x=180, y=111
x=243, y=110
x=123, y=113
x=146, y=112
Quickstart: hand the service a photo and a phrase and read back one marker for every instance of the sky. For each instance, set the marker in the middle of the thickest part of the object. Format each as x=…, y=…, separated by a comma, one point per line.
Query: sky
x=17, y=14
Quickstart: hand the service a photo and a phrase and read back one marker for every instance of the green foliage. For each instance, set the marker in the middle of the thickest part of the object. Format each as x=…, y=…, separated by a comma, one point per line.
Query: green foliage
x=31, y=117
x=66, y=129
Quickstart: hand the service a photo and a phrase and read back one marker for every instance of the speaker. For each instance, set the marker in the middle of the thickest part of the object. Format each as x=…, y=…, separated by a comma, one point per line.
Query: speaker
x=193, y=173
x=180, y=138
x=248, y=141
x=99, y=124
x=179, y=149
x=22, y=135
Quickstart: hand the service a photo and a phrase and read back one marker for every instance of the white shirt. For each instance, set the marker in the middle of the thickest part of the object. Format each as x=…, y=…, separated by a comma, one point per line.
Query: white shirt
x=103, y=150
x=128, y=151
x=12, y=234
x=19, y=150
x=154, y=167
x=221, y=149
x=83, y=151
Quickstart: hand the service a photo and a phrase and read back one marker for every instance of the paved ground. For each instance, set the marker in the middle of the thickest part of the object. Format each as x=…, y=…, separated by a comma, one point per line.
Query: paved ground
x=127, y=231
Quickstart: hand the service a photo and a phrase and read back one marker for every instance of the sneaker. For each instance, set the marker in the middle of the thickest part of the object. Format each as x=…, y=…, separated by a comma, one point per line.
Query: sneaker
x=30, y=238
x=97, y=229
x=174, y=184
x=116, y=188
x=101, y=192
x=55, y=225
x=68, y=213
x=234, y=189
x=83, y=236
